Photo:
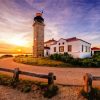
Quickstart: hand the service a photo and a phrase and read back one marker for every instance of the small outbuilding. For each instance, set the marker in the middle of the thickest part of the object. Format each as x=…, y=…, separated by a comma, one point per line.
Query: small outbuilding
x=95, y=50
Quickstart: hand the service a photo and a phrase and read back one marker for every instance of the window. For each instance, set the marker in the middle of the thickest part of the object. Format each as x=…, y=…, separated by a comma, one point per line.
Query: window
x=69, y=48
x=54, y=49
x=61, y=49
x=82, y=48
x=85, y=48
x=47, y=53
x=88, y=49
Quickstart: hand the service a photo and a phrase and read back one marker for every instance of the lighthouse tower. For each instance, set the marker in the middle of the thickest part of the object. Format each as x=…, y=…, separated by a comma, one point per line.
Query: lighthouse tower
x=38, y=32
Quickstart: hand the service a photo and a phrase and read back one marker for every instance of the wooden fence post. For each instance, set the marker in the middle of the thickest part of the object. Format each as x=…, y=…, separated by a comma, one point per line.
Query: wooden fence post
x=50, y=80
x=88, y=83
x=16, y=74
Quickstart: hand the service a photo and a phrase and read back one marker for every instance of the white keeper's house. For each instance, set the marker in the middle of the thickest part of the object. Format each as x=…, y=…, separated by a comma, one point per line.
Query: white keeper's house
x=78, y=48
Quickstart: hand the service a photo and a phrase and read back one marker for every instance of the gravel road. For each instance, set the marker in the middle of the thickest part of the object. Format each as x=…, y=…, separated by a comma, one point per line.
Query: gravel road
x=66, y=76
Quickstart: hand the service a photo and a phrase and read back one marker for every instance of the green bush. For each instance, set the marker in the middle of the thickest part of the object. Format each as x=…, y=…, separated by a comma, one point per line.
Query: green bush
x=61, y=57
x=93, y=95
x=85, y=62
x=7, y=81
x=26, y=88
x=49, y=93
x=56, y=56
x=76, y=61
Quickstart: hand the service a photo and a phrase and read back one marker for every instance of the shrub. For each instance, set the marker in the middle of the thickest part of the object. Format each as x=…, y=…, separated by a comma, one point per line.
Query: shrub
x=49, y=93
x=56, y=56
x=61, y=57
x=26, y=88
x=85, y=62
x=91, y=62
x=94, y=95
x=6, y=56
x=96, y=57
x=7, y=81
x=76, y=61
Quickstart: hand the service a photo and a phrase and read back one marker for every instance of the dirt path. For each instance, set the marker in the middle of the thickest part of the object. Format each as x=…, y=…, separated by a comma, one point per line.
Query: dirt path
x=67, y=76
x=65, y=93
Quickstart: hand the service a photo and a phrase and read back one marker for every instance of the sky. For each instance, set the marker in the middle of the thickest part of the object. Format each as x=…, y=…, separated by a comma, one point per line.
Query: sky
x=63, y=19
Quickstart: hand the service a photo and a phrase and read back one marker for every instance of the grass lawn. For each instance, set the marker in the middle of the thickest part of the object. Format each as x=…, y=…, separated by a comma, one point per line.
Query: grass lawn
x=40, y=61
x=60, y=60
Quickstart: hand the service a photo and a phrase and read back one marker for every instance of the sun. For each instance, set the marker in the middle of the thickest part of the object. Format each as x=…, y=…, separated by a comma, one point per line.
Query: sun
x=18, y=42
x=19, y=50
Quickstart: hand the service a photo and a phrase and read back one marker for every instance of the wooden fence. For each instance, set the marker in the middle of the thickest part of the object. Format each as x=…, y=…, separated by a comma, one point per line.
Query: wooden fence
x=88, y=78
x=16, y=73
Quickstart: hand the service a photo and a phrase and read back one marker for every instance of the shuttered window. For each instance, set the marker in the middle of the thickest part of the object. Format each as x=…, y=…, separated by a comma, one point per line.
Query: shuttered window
x=61, y=49
x=54, y=49
x=69, y=48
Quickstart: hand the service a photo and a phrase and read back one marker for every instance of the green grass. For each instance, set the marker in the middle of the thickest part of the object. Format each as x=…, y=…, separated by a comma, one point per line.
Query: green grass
x=60, y=60
x=40, y=61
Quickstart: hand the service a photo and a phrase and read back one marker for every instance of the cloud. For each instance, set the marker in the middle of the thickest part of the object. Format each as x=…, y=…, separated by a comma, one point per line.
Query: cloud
x=63, y=18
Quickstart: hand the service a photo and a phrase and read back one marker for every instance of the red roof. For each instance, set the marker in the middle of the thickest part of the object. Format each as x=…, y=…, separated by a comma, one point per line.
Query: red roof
x=75, y=39
x=72, y=39
x=95, y=48
x=68, y=40
x=50, y=41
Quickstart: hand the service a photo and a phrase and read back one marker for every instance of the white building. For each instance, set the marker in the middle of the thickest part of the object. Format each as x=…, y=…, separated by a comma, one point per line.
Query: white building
x=95, y=50
x=78, y=48
x=47, y=45
x=49, y=42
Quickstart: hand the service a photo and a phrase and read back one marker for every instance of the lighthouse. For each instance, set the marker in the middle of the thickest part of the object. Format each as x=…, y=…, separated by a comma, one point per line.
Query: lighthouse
x=38, y=36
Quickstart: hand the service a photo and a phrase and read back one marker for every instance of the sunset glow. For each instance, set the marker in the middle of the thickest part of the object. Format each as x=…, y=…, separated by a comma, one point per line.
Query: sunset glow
x=63, y=19
x=18, y=42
